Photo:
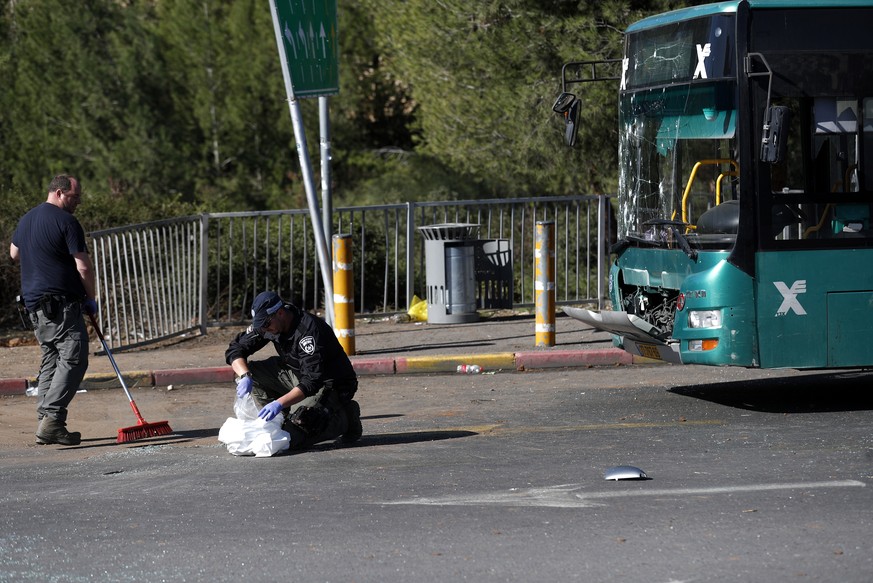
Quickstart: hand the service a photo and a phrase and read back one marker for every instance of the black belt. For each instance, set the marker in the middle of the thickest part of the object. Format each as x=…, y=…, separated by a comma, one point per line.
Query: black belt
x=49, y=303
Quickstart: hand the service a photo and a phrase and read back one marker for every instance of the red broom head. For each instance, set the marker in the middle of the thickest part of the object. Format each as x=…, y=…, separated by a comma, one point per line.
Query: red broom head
x=142, y=431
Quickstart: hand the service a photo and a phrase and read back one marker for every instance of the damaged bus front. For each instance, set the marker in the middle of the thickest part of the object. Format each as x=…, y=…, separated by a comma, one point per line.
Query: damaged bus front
x=744, y=204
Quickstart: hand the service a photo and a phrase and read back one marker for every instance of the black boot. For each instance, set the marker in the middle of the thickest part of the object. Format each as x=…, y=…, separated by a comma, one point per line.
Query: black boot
x=355, y=430
x=53, y=431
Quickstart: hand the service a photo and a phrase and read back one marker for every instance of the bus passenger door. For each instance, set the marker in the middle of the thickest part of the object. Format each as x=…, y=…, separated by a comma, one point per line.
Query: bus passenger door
x=850, y=321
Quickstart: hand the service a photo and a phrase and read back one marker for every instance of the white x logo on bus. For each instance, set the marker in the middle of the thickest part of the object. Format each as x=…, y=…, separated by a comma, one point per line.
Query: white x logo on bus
x=624, y=65
x=789, y=297
x=703, y=51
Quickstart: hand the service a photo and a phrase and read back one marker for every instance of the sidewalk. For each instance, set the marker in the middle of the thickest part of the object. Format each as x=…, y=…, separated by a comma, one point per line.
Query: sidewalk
x=383, y=346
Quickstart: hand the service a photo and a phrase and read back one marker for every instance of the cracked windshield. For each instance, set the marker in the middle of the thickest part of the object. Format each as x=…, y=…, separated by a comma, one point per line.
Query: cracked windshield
x=676, y=142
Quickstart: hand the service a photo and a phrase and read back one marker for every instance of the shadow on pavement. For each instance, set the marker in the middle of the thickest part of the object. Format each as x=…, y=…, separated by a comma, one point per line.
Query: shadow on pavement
x=175, y=438
x=199, y=433
x=411, y=437
x=381, y=439
x=377, y=439
x=815, y=393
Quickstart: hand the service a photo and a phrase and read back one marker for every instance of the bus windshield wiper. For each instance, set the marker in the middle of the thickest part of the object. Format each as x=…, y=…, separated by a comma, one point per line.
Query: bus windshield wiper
x=665, y=230
x=635, y=239
x=661, y=234
x=683, y=243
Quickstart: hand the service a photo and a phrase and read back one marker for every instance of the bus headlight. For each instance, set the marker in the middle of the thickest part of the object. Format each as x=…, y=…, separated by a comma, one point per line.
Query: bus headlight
x=704, y=319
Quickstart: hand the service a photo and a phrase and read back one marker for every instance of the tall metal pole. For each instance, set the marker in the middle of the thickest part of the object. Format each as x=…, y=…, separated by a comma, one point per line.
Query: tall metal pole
x=308, y=179
x=204, y=270
x=410, y=253
x=602, y=237
x=326, y=191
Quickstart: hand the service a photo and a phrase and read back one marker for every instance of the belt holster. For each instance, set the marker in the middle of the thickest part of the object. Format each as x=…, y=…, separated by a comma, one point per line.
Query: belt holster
x=50, y=306
x=310, y=420
x=26, y=324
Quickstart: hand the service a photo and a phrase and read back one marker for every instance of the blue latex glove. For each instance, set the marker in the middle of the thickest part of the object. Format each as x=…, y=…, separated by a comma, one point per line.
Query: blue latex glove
x=243, y=386
x=270, y=410
x=90, y=307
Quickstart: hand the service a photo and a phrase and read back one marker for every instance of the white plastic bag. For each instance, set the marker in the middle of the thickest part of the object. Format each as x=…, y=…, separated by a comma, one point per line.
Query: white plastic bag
x=245, y=408
x=246, y=434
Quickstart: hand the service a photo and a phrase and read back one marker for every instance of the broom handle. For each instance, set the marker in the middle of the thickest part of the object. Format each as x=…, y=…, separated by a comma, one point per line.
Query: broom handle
x=117, y=372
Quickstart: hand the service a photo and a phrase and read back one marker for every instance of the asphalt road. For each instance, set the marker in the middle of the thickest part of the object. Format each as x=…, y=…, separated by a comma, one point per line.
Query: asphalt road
x=753, y=476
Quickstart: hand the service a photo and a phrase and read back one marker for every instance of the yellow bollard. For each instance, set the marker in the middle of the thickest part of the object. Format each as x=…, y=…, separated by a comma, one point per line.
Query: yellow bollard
x=344, y=293
x=544, y=284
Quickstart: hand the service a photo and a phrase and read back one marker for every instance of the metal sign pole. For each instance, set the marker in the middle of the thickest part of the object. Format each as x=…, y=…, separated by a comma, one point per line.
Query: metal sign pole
x=314, y=214
x=326, y=192
x=306, y=169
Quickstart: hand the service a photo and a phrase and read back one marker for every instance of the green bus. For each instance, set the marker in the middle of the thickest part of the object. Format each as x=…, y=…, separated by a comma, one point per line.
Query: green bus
x=745, y=184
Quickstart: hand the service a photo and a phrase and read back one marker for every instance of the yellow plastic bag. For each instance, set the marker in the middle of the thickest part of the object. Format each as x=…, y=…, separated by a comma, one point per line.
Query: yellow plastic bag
x=417, y=309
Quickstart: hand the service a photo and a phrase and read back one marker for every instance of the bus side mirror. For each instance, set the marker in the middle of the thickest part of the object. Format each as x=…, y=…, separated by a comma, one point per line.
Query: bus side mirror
x=563, y=103
x=774, y=138
x=572, y=117
x=568, y=106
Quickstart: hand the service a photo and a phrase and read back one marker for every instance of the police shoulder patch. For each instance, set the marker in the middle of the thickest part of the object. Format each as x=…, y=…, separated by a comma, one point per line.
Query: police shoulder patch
x=307, y=344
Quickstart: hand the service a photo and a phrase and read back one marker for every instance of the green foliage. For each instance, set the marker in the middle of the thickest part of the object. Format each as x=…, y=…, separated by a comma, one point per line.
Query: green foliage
x=74, y=102
x=373, y=117
x=168, y=107
x=184, y=98
x=484, y=76
x=401, y=176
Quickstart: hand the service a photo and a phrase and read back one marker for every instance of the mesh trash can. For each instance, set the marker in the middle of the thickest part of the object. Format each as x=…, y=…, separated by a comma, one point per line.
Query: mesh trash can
x=494, y=285
x=450, y=265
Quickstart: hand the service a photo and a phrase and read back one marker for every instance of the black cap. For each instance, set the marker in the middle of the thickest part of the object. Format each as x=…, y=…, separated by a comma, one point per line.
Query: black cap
x=265, y=305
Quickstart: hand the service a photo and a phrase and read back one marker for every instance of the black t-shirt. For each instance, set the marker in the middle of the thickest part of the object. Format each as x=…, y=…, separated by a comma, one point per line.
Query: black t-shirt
x=47, y=237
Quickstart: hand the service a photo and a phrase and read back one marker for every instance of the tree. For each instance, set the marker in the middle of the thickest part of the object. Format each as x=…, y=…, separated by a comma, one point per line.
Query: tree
x=483, y=77
x=260, y=163
x=86, y=101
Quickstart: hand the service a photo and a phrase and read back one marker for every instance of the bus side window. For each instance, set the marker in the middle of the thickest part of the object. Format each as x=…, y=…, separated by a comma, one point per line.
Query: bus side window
x=787, y=174
x=863, y=173
x=787, y=221
x=787, y=178
x=851, y=220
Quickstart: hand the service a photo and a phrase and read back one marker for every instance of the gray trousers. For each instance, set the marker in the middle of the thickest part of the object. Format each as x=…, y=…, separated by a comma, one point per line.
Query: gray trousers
x=63, y=342
x=271, y=379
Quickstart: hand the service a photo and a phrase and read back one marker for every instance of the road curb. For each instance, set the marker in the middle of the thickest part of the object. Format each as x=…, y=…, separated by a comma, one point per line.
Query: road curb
x=136, y=378
x=13, y=386
x=364, y=366
x=429, y=364
x=521, y=361
x=193, y=376
x=571, y=358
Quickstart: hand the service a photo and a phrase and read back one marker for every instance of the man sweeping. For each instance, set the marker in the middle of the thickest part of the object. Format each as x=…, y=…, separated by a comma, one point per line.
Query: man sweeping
x=311, y=381
x=57, y=284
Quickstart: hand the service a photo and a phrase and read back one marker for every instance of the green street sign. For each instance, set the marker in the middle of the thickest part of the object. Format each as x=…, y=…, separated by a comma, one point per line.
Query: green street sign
x=310, y=45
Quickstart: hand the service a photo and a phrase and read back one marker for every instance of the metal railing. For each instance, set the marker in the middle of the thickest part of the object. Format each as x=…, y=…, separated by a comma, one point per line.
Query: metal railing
x=149, y=280
x=166, y=278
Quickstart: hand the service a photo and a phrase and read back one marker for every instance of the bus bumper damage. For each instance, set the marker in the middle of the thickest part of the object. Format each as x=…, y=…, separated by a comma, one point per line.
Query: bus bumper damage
x=631, y=333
